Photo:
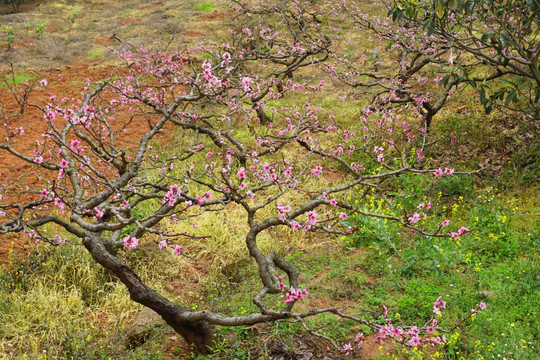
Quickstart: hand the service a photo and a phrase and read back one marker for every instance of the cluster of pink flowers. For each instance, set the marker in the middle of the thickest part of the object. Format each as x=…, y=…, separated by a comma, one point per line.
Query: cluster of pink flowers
x=358, y=340
x=412, y=335
x=295, y=295
x=169, y=197
x=283, y=210
x=177, y=249
x=131, y=242
x=317, y=170
x=438, y=305
x=292, y=294
x=440, y=172
x=455, y=235
x=416, y=217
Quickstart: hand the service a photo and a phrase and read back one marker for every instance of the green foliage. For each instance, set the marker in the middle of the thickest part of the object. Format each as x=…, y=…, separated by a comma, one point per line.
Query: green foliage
x=455, y=186
x=417, y=302
x=508, y=86
x=10, y=35
x=17, y=78
x=39, y=26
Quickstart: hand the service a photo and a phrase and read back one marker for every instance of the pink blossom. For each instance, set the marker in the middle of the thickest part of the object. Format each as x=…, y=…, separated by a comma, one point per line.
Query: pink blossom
x=439, y=303
x=413, y=331
x=415, y=218
x=287, y=172
x=438, y=172
x=420, y=155
x=38, y=160
x=241, y=173
x=312, y=217
x=177, y=250
x=246, y=82
x=482, y=305
x=347, y=348
x=414, y=341
x=60, y=205
x=75, y=145
x=294, y=225
x=445, y=222
x=462, y=230
x=343, y=216
x=131, y=242
x=64, y=163
x=448, y=171
x=333, y=202
x=317, y=170
x=162, y=244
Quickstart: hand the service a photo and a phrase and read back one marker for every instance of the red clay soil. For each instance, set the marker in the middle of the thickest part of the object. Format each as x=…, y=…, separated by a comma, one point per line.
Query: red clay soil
x=61, y=83
x=218, y=15
x=130, y=21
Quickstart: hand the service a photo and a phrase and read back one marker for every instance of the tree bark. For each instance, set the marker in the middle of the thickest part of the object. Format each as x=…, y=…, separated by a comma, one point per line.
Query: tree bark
x=198, y=333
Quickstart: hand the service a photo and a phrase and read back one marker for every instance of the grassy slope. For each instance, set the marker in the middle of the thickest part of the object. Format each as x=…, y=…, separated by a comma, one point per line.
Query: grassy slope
x=57, y=303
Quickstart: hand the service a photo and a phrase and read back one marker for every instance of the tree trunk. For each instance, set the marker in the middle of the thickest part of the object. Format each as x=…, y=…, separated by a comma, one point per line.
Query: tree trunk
x=263, y=118
x=198, y=333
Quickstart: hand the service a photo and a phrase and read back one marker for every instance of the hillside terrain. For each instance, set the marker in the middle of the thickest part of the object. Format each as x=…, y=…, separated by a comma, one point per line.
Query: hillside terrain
x=57, y=303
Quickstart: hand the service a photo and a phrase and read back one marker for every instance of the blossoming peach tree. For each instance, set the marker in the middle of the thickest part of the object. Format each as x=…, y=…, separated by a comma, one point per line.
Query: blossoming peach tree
x=96, y=166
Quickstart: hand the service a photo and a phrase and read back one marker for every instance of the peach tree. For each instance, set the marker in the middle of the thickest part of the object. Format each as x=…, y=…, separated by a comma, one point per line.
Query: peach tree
x=97, y=167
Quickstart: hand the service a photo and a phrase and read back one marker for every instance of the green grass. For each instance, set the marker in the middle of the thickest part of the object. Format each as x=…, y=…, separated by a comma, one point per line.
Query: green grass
x=97, y=53
x=18, y=78
x=208, y=6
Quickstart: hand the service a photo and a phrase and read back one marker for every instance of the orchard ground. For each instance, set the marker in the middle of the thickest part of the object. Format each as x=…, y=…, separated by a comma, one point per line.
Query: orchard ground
x=56, y=303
